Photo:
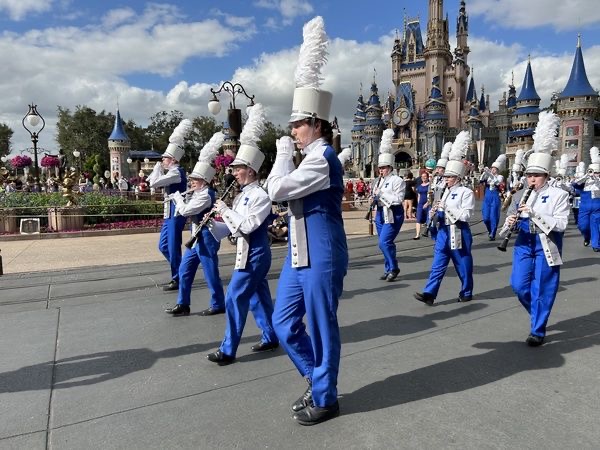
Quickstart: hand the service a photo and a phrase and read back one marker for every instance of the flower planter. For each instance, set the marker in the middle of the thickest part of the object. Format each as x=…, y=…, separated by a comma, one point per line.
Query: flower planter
x=8, y=221
x=69, y=218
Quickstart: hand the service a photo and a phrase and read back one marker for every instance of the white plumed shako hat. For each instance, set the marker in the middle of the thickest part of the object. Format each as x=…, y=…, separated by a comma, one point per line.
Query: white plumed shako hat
x=386, y=158
x=595, y=156
x=175, y=148
x=518, y=164
x=310, y=101
x=500, y=162
x=545, y=140
x=249, y=153
x=455, y=167
x=444, y=156
x=204, y=167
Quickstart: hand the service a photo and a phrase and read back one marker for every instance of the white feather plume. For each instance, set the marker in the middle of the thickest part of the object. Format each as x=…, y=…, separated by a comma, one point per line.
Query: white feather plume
x=580, y=171
x=519, y=156
x=386, y=141
x=500, y=161
x=564, y=161
x=545, y=138
x=211, y=149
x=254, y=126
x=557, y=165
x=460, y=147
x=345, y=155
x=595, y=155
x=313, y=54
x=180, y=133
x=446, y=150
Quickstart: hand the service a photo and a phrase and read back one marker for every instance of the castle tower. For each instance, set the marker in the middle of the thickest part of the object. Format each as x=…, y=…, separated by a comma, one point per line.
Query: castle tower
x=374, y=125
x=437, y=51
x=436, y=120
x=511, y=103
x=396, y=61
x=462, y=32
x=359, y=155
x=577, y=105
x=119, y=146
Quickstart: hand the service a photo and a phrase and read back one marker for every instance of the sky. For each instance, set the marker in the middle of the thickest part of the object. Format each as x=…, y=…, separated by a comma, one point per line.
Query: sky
x=153, y=56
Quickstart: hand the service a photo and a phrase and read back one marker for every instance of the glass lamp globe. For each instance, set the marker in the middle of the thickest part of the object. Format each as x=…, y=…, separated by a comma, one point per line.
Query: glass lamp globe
x=129, y=160
x=33, y=120
x=214, y=106
x=76, y=153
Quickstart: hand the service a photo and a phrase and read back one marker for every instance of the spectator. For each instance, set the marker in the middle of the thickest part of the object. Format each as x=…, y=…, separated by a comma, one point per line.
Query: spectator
x=409, y=196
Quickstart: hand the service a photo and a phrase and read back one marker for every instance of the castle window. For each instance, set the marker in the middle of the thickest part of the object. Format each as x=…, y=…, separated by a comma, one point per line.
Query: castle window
x=588, y=98
x=572, y=99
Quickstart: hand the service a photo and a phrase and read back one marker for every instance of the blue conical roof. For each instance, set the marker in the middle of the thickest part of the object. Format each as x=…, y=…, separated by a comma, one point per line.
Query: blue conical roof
x=471, y=94
x=482, y=105
x=578, y=84
x=118, y=132
x=528, y=91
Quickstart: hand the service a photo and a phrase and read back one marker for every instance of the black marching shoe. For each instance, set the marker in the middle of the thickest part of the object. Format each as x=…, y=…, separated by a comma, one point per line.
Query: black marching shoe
x=179, y=310
x=304, y=400
x=172, y=286
x=596, y=250
x=534, y=341
x=492, y=238
x=586, y=243
x=384, y=276
x=312, y=415
x=464, y=299
x=425, y=297
x=220, y=358
x=265, y=346
x=211, y=312
x=392, y=275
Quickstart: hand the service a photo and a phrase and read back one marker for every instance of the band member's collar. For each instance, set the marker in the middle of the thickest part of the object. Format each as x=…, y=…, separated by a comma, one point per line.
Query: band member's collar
x=313, y=145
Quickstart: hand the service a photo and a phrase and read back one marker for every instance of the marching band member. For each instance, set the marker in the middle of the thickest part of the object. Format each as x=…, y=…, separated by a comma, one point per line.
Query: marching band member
x=204, y=250
x=436, y=187
x=541, y=222
x=389, y=195
x=454, y=239
x=313, y=272
x=491, y=201
x=247, y=220
x=172, y=181
x=589, y=204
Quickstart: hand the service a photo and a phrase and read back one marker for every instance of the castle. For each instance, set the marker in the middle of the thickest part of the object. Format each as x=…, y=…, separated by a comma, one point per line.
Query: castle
x=432, y=102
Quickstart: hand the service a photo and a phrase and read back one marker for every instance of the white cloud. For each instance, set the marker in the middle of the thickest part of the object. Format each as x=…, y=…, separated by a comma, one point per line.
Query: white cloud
x=560, y=14
x=19, y=9
x=117, y=17
x=289, y=10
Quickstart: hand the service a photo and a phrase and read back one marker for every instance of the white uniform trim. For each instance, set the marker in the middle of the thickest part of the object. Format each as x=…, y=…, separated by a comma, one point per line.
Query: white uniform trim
x=157, y=179
x=458, y=202
x=391, y=193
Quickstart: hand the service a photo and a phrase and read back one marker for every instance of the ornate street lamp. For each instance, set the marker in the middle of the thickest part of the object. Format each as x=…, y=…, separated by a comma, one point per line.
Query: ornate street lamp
x=234, y=115
x=34, y=119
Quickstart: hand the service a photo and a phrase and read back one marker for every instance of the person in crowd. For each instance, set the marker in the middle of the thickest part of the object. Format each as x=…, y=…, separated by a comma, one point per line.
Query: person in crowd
x=388, y=193
x=247, y=220
x=454, y=239
x=422, y=205
x=540, y=215
x=410, y=195
x=491, y=201
x=313, y=272
x=170, y=176
x=205, y=249
x=361, y=190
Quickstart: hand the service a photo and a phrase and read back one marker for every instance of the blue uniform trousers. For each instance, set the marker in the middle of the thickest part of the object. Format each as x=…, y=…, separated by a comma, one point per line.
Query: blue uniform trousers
x=249, y=290
x=491, y=211
x=205, y=253
x=314, y=291
x=169, y=242
x=588, y=221
x=533, y=280
x=387, y=232
x=462, y=260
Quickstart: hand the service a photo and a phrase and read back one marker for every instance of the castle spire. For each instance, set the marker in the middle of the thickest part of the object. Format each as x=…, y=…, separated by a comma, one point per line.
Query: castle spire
x=578, y=84
x=118, y=132
x=528, y=91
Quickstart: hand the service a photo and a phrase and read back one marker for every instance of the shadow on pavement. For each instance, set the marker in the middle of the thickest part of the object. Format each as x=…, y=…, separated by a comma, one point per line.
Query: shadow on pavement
x=502, y=360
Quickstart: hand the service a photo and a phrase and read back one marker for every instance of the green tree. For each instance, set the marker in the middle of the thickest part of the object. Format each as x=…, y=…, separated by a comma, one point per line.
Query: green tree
x=203, y=129
x=5, y=135
x=267, y=144
x=139, y=138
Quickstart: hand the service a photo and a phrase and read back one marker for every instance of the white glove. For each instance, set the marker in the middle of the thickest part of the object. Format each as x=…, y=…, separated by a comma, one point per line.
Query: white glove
x=220, y=207
x=285, y=147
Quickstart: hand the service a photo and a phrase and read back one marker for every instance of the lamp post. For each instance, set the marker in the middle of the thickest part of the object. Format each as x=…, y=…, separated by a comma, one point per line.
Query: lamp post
x=77, y=154
x=34, y=118
x=234, y=115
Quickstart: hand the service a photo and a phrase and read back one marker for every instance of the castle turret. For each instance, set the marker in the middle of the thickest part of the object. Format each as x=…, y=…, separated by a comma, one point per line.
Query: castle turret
x=436, y=120
x=526, y=114
x=511, y=103
x=359, y=155
x=396, y=61
x=119, y=146
x=374, y=125
x=577, y=105
x=462, y=32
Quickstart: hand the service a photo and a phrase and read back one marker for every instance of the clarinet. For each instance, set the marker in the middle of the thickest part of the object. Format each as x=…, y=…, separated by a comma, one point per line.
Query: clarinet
x=207, y=217
x=502, y=247
x=372, y=206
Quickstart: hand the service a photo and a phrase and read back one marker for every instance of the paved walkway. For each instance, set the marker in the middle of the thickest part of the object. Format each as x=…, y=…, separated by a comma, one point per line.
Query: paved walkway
x=34, y=255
